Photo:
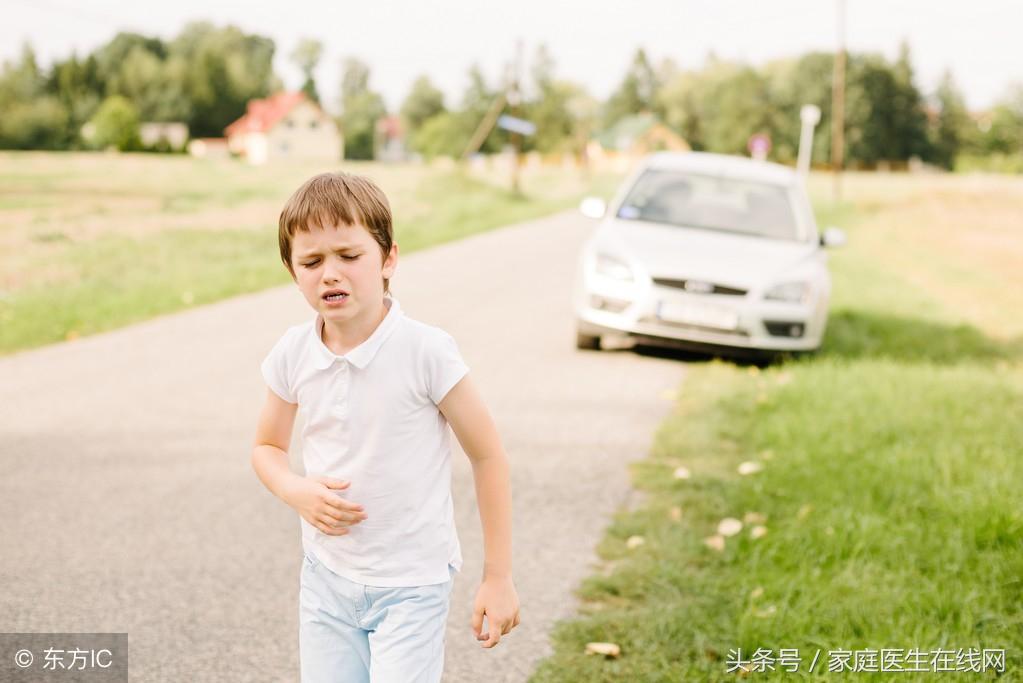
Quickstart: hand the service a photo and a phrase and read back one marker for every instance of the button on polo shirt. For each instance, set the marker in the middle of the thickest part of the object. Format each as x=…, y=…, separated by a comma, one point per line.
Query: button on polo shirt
x=371, y=418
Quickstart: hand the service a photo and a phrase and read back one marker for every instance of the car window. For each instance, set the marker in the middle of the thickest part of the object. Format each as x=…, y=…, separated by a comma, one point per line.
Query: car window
x=711, y=203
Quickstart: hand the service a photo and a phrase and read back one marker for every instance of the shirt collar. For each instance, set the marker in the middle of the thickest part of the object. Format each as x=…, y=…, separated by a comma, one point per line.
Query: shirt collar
x=362, y=354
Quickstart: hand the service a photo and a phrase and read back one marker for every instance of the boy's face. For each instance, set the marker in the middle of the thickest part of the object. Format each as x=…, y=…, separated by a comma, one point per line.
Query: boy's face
x=344, y=258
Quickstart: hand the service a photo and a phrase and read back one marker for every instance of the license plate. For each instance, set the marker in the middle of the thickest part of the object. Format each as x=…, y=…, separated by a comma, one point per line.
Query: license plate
x=697, y=314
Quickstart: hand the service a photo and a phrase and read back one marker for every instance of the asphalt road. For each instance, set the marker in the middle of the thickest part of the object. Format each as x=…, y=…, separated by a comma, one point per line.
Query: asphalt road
x=127, y=502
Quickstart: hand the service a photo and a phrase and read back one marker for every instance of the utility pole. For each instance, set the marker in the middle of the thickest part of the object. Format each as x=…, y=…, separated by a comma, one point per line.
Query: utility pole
x=510, y=95
x=486, y=125
x=838, y=105
x=515, y=100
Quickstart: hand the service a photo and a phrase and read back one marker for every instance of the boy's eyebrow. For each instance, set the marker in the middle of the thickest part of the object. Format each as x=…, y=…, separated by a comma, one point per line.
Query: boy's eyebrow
x=316, y=252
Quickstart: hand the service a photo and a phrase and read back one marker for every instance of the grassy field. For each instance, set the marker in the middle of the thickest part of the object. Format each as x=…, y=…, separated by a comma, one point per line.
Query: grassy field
x=890, y=467
x=92, y=242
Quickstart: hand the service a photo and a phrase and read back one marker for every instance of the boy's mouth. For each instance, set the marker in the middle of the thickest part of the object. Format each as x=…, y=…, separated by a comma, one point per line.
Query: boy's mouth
x=334, y=295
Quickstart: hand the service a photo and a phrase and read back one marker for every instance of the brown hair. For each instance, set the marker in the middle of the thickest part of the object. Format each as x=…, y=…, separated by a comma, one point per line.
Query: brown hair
x=330, y=199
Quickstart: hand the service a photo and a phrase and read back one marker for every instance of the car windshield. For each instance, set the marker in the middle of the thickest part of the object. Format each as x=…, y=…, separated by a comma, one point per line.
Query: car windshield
x=711, y=203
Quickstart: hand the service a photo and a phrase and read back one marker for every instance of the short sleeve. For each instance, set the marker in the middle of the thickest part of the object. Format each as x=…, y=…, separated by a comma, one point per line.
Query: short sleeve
x=275, y=370
x=444, y=366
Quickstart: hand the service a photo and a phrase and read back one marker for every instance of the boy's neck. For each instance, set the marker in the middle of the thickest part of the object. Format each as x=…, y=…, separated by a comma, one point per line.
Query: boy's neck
x=343, y=338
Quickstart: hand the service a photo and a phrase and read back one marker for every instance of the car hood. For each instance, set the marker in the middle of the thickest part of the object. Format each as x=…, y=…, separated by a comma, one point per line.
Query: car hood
x=719, y=257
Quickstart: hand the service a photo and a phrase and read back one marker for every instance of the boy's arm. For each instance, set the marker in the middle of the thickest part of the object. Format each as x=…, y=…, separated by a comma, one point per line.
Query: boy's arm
x=311, y=498
x=471, y=422
x=273, y=437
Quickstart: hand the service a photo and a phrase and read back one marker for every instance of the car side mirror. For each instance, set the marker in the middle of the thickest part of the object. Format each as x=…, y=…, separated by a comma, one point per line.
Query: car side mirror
x=593, y=207
x=833, y=237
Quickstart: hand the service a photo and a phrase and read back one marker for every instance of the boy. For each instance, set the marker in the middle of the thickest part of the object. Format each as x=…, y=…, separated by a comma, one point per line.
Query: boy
x=378, y=391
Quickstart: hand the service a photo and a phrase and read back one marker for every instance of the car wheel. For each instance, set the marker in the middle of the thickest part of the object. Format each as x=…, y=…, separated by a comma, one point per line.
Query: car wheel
x=587, y=341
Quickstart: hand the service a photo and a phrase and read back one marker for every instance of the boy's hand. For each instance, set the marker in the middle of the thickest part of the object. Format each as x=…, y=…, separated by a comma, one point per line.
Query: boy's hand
x=315, y=500
x=497, y=599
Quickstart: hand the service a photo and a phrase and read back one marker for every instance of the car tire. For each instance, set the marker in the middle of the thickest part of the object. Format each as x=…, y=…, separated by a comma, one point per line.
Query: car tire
x=588, y=342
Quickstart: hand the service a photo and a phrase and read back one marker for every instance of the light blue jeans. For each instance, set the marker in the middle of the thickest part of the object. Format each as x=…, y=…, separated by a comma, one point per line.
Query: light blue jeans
x=352, y=633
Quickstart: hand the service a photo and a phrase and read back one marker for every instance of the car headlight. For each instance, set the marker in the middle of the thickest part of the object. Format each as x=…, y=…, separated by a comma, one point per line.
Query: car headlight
x=614, y=268
x=791, y=292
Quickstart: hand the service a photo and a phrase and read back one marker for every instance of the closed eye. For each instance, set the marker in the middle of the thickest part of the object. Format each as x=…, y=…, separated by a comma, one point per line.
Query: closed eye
x=311, y=264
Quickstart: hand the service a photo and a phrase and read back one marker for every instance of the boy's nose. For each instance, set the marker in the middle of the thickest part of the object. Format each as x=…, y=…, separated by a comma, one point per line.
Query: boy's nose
x=333, y=272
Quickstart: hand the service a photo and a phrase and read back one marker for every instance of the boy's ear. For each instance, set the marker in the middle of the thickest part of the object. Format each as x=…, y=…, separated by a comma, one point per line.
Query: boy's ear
x=391, y=262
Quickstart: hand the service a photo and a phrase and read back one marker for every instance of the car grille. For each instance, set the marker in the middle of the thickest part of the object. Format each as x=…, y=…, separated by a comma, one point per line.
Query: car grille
x=714, y=288
x=653, y=320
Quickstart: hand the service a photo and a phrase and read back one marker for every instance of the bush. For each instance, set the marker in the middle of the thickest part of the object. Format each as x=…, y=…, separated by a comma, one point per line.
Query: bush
x=116, y=124
x=40, y=123
x=441, y=135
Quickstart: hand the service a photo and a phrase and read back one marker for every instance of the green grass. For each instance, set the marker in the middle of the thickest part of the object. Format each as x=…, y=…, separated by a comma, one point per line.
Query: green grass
x=890, y=485
x=94, y=242
x=119, y=280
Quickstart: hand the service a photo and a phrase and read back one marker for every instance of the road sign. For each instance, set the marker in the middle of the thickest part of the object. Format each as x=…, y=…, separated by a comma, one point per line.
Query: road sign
x=759, y=145
x=516, y=125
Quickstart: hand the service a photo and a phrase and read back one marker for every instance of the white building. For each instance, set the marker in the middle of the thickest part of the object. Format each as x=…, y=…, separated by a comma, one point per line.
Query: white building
x=173, y=134
x=285, y=126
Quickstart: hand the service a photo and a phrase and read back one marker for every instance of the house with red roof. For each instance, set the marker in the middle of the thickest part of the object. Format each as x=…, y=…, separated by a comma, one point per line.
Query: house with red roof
x=285, y=126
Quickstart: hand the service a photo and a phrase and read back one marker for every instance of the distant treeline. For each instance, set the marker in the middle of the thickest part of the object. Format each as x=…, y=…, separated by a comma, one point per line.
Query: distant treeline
x=205, y=76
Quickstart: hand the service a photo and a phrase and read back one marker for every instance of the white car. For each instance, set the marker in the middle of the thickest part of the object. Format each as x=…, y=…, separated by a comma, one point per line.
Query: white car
x=709, y=251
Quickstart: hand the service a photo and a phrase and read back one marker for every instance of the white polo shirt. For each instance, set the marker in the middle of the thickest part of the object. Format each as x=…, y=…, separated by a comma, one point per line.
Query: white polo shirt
x=371, y=418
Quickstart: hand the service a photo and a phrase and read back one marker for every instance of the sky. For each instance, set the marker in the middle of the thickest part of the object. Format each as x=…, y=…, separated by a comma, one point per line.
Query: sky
x=591, y=42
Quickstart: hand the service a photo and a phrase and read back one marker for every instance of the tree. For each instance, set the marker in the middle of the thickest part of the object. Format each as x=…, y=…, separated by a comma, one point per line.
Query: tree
x=679, y=100
x=29, y=119
x=735, y=104
x=910, y=122
x=116, y=124
x=719, y=107
x=869, y=109
x=140, y=78
x=110, y=57
x=952, y=123
x=75, y=83
x=550, y=107
x=542, y=71
x=560, y=113
x=1003, y=132
x=879, y=125
x=635, y=94
x=361, y=108
x=172, y=102
x=354, y=78
x=223, y=70
x=205, y=77
x=306, y=56
x=793, y=84
x=477, y=100
x=584, y=109
x=21, y=80
x=423, y=102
